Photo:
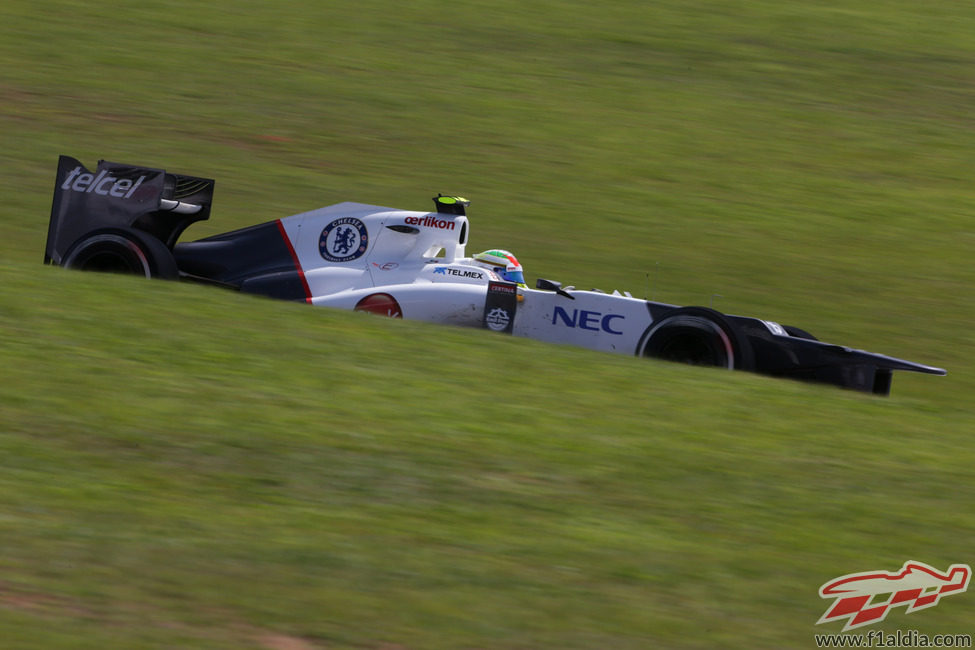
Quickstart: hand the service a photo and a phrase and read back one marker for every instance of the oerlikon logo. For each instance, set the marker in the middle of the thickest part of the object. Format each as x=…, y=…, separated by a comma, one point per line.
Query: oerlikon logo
x=865, y=598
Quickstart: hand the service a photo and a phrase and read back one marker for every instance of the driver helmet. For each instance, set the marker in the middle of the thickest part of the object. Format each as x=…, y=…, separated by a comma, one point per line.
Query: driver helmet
x=503, y=264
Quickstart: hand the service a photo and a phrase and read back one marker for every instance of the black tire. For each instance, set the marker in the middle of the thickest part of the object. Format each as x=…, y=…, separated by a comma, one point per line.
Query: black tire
x=698, y=336
x=122, y=250
x=798, y=333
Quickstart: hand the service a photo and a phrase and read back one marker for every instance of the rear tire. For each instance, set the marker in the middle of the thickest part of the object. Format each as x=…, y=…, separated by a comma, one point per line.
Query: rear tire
x=122, y=250
x=700, y=337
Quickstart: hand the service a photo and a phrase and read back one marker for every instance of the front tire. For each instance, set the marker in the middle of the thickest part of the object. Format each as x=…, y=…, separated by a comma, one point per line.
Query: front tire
x=798, y=333
x=700, y=337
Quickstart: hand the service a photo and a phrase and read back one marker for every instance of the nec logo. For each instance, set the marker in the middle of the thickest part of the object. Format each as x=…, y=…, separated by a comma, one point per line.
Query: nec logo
x=587, y=320
x=103, y=184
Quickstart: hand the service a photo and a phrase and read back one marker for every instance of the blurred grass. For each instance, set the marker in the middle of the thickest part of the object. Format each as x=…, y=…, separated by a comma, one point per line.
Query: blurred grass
x=188, y=467
x=288, y=472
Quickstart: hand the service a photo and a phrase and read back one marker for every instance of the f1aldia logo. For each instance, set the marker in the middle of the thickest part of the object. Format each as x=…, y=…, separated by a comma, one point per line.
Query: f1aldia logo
x=865, y=598
x=343, y=240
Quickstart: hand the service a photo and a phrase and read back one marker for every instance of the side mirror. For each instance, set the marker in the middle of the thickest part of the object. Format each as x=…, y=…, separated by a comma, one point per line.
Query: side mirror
x=552, y=285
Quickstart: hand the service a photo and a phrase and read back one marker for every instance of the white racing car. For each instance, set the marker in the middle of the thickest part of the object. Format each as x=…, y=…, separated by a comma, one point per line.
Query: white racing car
x=408, y=264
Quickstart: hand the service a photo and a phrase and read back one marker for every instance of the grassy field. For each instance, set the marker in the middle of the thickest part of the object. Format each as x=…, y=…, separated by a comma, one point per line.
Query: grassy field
x=187, y=467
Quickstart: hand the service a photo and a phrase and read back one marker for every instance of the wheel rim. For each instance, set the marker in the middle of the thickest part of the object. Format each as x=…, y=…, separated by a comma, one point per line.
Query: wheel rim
x=110, y=253
x=692, y=340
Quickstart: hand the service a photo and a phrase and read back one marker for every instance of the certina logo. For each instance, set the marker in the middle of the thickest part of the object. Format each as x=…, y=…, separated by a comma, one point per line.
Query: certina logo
x=585, y=319
x=431, y=222
x=446, y=270
x=103, y=184
x=498, y=287
x=343, y=240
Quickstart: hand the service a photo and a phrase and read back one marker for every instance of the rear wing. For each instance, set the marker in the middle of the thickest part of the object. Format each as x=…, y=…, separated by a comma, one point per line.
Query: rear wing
x=122, y=196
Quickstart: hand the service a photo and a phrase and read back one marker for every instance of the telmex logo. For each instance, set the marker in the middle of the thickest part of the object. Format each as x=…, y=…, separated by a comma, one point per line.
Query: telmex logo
x=431, y=222
x=446, y=270
x=587, y=320
x=916, y=585
x=103, y=184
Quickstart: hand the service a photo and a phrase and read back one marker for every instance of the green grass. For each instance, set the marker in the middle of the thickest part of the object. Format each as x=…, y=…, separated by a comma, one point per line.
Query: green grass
x=187, y=467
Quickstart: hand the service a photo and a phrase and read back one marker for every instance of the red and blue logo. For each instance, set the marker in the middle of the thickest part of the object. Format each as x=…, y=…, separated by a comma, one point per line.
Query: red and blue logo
x=343, y=240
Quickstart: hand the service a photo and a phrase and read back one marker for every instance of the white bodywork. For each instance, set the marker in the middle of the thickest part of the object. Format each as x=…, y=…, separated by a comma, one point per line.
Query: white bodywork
x=419, y=259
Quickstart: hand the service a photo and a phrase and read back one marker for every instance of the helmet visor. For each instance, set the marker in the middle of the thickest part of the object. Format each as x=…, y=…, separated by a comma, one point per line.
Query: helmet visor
x=518, y=277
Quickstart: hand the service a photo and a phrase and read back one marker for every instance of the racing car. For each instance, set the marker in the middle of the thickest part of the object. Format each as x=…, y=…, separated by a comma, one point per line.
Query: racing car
x=414, y=265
